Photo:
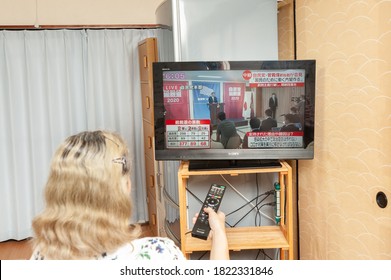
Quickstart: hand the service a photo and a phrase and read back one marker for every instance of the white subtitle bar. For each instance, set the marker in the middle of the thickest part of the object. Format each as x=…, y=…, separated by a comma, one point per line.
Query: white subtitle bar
x=211, y=270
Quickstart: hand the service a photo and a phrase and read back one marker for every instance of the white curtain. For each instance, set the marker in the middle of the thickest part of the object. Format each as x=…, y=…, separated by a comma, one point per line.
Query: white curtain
x=54, y=83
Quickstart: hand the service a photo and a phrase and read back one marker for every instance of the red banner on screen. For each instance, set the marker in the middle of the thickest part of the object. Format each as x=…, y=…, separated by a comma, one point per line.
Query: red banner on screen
x=176, y=99
x=233, y=99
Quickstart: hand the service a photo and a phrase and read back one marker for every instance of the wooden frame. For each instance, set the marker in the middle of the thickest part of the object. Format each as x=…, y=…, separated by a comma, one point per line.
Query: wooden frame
x=241, y=238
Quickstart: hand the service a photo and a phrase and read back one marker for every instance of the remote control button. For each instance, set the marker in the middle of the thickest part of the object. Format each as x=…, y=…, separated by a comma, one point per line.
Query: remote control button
x=212, y=201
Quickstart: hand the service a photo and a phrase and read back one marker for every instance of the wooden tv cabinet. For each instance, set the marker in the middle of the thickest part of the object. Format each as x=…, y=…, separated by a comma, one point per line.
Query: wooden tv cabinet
x=242, y=238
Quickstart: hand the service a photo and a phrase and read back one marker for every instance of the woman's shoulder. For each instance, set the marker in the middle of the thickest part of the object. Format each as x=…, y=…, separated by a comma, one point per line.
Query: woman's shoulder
x=148, y=248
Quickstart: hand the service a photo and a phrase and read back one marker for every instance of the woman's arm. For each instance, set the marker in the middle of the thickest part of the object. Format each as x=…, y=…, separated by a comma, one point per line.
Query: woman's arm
x=218, y=235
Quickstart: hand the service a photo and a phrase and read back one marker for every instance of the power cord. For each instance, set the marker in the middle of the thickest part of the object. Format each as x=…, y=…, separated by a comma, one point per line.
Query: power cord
x=250, y=202
x=201, y=202
x=264, y=254
x=256, y=206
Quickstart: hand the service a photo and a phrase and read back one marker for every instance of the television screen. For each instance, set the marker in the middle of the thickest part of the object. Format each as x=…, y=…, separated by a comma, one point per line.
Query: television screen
x=234, y=111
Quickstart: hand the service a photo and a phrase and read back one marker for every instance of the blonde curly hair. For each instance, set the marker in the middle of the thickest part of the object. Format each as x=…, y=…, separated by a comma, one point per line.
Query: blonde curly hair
x=87, y=196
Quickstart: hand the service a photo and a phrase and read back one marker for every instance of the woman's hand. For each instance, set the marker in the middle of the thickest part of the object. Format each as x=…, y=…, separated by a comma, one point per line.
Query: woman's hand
x=219, y=250
x=216, y=222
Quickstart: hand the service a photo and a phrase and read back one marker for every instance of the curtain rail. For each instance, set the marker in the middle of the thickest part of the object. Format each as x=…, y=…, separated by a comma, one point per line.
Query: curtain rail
x=86, y=26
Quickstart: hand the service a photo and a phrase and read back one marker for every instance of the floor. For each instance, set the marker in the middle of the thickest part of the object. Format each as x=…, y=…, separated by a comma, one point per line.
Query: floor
x=21, y=250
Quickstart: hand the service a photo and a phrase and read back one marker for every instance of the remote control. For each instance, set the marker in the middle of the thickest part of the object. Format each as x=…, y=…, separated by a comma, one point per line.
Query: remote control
x=213, y=200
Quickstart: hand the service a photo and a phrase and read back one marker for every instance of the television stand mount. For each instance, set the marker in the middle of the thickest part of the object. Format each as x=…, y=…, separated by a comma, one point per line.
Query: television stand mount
x=233, y=164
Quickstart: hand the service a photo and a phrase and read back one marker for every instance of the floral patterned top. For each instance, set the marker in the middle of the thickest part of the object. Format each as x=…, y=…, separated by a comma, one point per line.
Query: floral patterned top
x=147, y=248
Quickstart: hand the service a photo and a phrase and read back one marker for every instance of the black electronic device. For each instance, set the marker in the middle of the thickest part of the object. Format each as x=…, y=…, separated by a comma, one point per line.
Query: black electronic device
x=213, y=200
x=186, y=124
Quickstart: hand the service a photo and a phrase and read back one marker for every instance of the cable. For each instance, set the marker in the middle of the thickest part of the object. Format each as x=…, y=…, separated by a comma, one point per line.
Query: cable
x=257, y=215
x=252, y=210
x=244, y=205
x=196, y=197
x=200, y=201
x=203, y=255
x=229, y=184
x=264, y=254
x=258, y=208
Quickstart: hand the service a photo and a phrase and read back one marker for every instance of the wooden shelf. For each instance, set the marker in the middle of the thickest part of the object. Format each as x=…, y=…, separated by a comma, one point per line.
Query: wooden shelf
x=184, y=170
x=242, y=238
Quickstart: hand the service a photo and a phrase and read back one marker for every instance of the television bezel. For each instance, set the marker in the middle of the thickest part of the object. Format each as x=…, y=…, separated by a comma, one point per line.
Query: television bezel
x=164, y=154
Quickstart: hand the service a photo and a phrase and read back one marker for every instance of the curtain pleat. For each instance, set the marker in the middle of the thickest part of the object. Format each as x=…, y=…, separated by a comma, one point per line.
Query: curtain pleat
x=55, y=83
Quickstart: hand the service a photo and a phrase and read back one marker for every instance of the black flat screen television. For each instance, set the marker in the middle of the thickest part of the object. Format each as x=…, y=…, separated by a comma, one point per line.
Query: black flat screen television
x=233, y=113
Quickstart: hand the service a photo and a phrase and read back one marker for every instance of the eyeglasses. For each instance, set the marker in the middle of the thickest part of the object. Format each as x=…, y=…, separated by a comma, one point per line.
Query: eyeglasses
x=124, y=162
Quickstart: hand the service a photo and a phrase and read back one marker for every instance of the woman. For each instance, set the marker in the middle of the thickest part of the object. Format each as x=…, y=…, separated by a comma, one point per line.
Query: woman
x=88, y=206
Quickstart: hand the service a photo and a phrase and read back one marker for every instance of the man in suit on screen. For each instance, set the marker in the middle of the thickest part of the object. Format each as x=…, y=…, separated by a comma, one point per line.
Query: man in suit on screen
x=273, y=104
x=213, y=98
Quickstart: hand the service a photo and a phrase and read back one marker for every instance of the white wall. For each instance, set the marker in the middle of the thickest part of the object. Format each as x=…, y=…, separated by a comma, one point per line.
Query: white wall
x=225, y=29
x=76, y=12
